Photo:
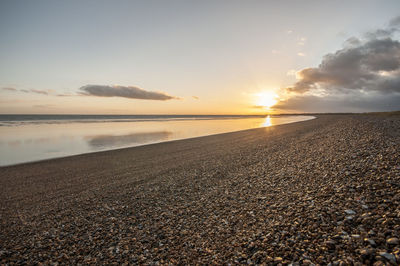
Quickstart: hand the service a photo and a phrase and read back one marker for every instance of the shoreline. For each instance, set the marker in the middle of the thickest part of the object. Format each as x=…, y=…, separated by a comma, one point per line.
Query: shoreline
x=113, y=149
x=309, y=191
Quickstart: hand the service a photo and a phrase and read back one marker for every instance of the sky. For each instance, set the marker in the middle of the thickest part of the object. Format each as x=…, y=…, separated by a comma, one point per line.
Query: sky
x=199, y=57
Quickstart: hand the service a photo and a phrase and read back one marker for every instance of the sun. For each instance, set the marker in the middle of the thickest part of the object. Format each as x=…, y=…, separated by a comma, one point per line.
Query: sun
x=267, y=99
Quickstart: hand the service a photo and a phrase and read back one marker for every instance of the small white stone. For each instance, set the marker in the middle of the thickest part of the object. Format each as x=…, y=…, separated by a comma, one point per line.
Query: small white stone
x=350, y=212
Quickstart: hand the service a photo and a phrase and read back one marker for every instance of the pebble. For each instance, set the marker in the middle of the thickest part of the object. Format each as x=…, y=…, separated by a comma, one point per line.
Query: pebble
x=392, y=241
x=365, y=252
x=370, y=241
x=388, y=256
x=350, y=212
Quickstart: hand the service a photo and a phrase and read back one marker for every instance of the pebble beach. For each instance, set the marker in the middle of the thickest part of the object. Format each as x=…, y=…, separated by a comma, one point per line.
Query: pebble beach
x=322, y=191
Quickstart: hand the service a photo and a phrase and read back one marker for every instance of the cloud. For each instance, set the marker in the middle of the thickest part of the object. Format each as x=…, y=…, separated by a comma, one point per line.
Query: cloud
x=366, y=68
x=195, y=97
x=66, y=95
x=28, y=91
x=372, y=65
x=340, y=103
x=125, y=92
x=43, y=92
x=9, y=89
x=393, y=27
x=39, y=92
x=301, y=54
x=394, y=23
x=105, y=91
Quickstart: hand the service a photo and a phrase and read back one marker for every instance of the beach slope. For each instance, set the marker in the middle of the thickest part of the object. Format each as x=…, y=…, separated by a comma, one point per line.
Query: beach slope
x=323, y=190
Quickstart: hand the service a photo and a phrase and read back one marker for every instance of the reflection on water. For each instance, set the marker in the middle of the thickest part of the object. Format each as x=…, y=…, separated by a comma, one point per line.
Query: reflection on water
x=33, y=141
x=108, y=141
x=267, y=122
x=14, y=143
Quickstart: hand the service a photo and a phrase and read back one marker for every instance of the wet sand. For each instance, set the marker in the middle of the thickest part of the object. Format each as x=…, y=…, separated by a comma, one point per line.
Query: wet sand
x=323, y=190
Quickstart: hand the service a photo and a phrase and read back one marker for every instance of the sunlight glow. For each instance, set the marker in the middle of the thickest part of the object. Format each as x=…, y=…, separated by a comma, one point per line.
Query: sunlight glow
x=267, y=99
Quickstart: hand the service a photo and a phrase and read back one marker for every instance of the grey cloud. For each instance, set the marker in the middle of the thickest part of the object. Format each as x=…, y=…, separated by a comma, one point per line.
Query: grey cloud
x=9, y=89
x=395, y=22
x=342, y=103
x=34, y=91
x=124, y=91
x=372, y=66
x=352, y=42
x=393, y=27
x=65, y=95
x=380, y=33
x=367, y=70
x=39, y=91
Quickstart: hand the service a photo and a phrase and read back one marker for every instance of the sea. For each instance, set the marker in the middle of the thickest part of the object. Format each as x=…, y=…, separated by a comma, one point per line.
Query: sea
x=27, y=138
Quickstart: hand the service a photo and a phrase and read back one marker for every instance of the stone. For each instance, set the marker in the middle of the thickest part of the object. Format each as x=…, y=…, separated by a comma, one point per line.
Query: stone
x=350, y=212
x=392, y=241
x=388, y=256
x=370, y=241
x=365, y=252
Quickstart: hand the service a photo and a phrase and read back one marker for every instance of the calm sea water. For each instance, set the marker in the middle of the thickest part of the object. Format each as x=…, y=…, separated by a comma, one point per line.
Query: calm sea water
x=25, y=138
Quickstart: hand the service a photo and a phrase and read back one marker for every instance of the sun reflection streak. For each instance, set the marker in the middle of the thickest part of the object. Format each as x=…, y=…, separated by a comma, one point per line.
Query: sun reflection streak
x=267, y=122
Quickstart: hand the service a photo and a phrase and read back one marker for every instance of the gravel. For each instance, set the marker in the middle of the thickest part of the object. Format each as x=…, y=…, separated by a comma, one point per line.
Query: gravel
x=323, y=191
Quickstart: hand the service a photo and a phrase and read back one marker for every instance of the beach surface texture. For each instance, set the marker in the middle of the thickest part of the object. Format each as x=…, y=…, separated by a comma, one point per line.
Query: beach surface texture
x=320, y=191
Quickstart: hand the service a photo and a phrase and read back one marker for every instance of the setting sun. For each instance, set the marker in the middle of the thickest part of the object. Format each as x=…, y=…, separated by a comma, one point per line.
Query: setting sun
x=267, y=99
